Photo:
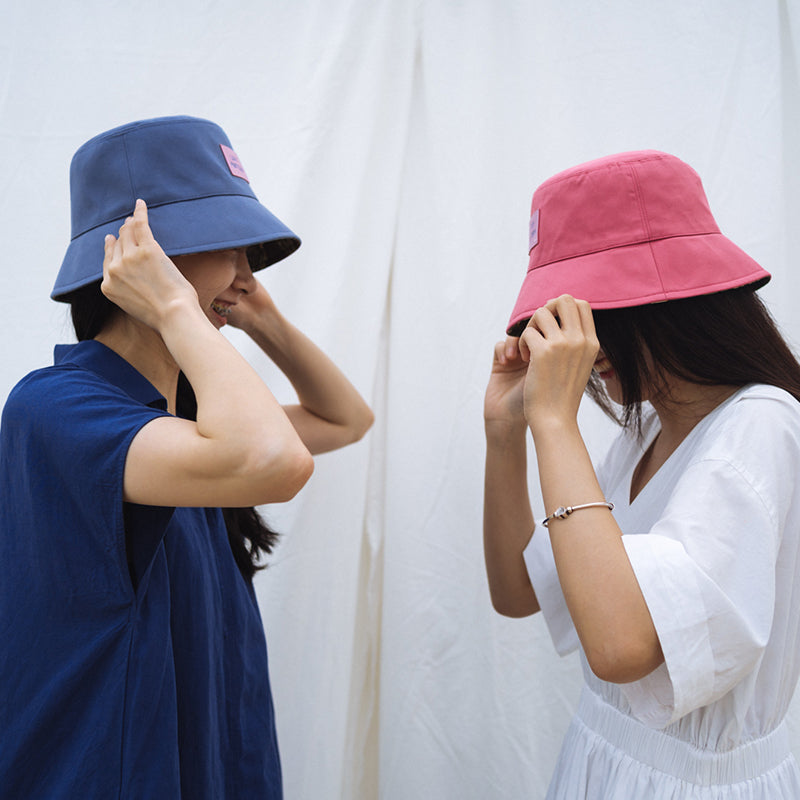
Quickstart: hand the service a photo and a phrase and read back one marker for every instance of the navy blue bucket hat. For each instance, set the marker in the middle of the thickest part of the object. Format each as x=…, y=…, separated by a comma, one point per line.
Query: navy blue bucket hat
x=197, y=193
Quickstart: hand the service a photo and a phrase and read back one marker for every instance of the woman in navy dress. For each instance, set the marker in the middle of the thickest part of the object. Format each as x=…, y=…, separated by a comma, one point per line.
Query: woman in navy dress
x=134, y=659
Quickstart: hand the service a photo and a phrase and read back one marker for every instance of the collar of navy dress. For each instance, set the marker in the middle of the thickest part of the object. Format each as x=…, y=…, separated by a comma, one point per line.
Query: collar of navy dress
x=105, y=363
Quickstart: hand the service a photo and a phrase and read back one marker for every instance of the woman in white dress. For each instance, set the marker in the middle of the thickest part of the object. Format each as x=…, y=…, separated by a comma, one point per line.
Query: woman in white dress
x=673, y=567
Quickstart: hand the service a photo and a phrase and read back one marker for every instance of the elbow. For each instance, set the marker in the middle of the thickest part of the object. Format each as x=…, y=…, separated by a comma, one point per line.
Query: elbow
x=280, y=472
x=360, y=424
x=623, y=662
x=511, y=610
x=522, y=604
x=296, y=471
x=365, y=422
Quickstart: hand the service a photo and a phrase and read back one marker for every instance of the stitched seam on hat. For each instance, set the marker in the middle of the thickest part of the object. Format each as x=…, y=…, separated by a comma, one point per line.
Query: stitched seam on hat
x=643, y=212
x=128, y=166
x=625, y=244
x=162, y=205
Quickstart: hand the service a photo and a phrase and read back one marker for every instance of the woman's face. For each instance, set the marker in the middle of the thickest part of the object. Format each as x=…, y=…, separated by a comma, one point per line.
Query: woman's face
x=606, y=372
x=219, y=277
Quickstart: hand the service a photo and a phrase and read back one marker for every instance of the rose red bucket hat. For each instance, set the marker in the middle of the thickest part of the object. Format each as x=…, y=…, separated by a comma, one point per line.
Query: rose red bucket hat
x=197, y=193
x=627, y=230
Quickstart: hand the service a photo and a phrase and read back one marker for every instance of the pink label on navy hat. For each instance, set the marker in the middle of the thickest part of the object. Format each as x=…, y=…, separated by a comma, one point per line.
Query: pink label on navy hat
x=533, y=231
x=234, y=165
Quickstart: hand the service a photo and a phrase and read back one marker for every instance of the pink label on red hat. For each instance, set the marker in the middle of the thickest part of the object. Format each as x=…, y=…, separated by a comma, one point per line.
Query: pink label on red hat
x=533, y=231
x=234, y=165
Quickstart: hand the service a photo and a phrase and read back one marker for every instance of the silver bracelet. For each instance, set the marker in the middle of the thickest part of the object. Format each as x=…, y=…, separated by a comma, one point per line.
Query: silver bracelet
x=562, y=512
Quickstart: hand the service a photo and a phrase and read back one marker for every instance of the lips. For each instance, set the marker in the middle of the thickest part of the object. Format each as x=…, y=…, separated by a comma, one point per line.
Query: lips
x=603, y=368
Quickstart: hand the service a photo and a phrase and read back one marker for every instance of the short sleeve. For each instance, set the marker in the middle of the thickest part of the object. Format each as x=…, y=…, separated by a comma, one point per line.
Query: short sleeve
x=78, y=424
x=707, y=573
x=65, y=438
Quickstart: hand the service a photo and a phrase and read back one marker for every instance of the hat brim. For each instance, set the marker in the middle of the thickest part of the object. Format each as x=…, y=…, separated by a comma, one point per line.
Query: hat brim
x=191, y=226
x=639, y=274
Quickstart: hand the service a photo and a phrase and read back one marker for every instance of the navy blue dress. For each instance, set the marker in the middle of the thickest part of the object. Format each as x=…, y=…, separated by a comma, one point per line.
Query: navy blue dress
x=133, y=662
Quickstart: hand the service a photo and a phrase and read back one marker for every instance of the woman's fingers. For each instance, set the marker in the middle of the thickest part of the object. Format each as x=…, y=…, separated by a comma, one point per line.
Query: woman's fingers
x=141, y=224
x=135, y=231
x=530, y=339
x=127, y=238
x=510, y=347
x=507, y=355
x=566, y=310
x=563, y=328
x=109, y=243
x=545, y=322
x=500, y=354
x=109, y=252
x=587, y=320
x=565, y=315
x=506, y=352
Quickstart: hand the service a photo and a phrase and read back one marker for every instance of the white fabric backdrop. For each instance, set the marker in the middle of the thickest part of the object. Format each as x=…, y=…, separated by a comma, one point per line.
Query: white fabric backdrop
x=402, y=140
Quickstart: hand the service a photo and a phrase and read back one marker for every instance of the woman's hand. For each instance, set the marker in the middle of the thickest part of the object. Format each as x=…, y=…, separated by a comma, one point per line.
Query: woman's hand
x=503, y=401
x=252, y=308
x=560, y=346
x=138, y=276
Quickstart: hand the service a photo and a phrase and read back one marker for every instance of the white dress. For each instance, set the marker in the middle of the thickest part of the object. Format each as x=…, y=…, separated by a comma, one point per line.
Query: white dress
x=714, y=540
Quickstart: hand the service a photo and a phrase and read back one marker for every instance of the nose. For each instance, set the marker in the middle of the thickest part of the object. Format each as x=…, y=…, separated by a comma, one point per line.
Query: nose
x=245, y=280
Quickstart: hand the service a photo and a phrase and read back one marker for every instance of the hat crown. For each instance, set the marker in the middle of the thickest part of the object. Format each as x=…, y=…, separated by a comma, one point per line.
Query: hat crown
x=617, y=201
x=162, y=160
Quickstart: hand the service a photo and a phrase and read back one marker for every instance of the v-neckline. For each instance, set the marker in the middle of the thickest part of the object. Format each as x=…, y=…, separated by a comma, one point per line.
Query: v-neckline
x=700, y=424
x=647, y=454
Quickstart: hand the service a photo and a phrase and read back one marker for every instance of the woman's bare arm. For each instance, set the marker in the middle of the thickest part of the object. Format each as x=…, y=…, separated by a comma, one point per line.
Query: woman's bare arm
x=507, y=516
x=242, y=450
x=599, y=585
x=330, y=413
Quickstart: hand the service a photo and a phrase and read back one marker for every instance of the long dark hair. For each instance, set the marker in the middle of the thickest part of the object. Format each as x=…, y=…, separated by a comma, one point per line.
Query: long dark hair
x=249, y=536
x=725, y=338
